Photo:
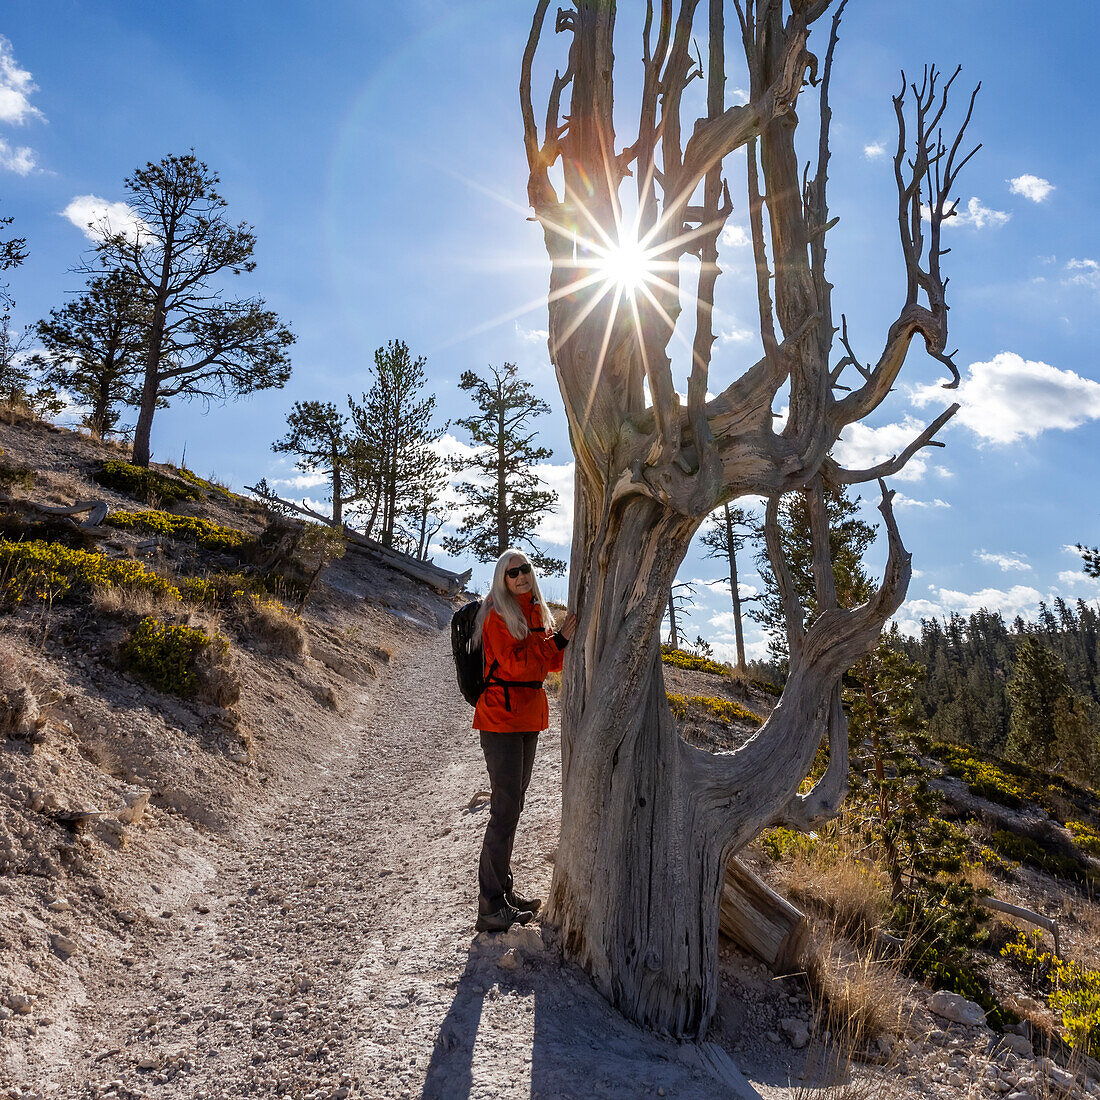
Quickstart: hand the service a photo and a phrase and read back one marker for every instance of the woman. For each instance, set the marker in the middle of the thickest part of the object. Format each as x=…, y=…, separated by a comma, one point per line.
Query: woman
x=516, y=631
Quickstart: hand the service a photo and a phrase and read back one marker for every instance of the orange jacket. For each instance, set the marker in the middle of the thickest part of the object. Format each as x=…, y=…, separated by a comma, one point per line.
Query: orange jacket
x=529, y=658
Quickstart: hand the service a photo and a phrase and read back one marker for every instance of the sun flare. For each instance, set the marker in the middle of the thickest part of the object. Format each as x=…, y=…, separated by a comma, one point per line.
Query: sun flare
x=625, y=264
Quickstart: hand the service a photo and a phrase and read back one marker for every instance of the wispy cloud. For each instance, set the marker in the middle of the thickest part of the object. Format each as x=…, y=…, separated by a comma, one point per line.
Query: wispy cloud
x=736, y=236
x=19, y=159
x=736, y=335
x=97, y=218
x=532, y=335
x=1031, y=187
x=1011, y=398
x=902, y=501
x=1005, y=562
x=1083, y=273
x=16, y=88
x=874, y=149
x=975, y=215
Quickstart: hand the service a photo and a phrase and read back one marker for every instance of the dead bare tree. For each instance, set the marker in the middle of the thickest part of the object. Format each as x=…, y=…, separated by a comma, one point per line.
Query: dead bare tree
x=649, y=823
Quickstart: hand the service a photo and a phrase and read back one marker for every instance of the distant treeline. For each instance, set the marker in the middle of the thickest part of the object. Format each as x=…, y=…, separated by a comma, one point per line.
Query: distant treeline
x=969, y=663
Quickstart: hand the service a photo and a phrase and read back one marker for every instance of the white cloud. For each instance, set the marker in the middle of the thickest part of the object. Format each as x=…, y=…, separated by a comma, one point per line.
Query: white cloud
x=1084, y=273
x=1018, y=600
x=902, y=501
x=736, y=236
x=737, y=335
x=863, y=447
x=532, y=335
x=16, y=86
x=302, y=481
x=19, y=159
x=874, y=149
x=740, y=95
x=1076, y=579
x=557, y=526
x=1005, y=562
x=1010, y=398
x=1076, y=551
x=96, y=218
x=1031, y=187
x=976, y=215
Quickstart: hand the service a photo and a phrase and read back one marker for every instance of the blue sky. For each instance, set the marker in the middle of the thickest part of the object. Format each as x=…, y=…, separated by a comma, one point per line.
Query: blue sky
x=377, y=150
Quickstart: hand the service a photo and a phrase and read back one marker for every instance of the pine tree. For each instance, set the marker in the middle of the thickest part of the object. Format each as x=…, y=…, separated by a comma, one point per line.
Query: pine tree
x=13, y=251
x=506, y=501
x=95, y=347
x=394, y=425
x=1039, y=690
x=727, y=534
x=1091, y=556
x=22, y=389
x=199, y=345
x=849, y=537
x=317, y=434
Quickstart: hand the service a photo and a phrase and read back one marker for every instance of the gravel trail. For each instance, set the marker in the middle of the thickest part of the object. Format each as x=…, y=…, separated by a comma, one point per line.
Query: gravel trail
x=331, y=953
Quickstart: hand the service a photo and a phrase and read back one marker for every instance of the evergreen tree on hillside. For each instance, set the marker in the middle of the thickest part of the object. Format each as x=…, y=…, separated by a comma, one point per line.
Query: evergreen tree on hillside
x=849, y=538
x=507, y=499
x=394, y=424
x=199, y=345
x=1040, y=694
x=95, y=347
x=13, y=251
x=317, y=433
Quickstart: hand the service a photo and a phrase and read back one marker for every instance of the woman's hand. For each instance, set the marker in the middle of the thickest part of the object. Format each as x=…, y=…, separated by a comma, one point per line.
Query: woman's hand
x=569, y=627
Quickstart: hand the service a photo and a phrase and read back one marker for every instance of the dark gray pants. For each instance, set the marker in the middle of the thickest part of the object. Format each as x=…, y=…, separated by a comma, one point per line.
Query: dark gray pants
x=509, y=758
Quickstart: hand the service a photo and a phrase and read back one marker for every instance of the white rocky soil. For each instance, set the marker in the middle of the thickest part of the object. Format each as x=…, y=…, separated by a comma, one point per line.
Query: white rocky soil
x=327, y=951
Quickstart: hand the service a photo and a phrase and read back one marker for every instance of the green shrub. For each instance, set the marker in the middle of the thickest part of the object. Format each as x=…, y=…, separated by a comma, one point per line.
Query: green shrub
x=164, y=656
x=48, y=569
x=143, y=484
x=781, y=842
x=1072, y=990
x=725, y=710
x=211, y=536
x=218, y=589
x=1023, y=849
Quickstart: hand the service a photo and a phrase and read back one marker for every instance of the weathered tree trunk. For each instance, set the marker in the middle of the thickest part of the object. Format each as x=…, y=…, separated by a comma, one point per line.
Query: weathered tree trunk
x=673, y=629
x=648, y=821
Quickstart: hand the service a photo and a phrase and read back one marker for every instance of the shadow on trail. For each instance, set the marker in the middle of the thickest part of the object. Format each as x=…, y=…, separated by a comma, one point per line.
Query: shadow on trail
x=574, y=1045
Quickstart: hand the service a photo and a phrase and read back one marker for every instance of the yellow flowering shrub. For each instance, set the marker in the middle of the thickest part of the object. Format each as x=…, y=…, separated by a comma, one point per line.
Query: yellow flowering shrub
x=211, y=536
x=43, y=569
x=725, y=710
x=1072, y=989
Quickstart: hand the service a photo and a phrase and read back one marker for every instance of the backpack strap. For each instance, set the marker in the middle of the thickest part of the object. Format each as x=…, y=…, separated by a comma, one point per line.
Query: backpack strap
x=506, y=684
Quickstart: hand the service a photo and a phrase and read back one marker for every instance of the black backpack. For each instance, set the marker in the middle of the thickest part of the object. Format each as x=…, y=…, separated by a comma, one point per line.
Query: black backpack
x=470, y=659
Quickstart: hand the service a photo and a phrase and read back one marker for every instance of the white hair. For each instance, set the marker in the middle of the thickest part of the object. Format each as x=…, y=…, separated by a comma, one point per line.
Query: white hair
x=501, y=600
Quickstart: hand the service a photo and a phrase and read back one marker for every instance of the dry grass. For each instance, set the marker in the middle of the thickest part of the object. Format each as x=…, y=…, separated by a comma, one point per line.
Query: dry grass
x=552, y=683
x=63, y=488
x=276, y=627
x=980, y=877
x=857, y=997
x=129, y=603
x=833, y=881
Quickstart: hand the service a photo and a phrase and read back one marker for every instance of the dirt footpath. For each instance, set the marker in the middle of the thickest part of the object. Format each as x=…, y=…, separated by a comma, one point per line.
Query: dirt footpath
x=331, y=953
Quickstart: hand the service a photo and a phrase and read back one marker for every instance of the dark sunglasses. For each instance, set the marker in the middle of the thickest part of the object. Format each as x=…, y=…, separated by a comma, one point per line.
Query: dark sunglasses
x=513, y=573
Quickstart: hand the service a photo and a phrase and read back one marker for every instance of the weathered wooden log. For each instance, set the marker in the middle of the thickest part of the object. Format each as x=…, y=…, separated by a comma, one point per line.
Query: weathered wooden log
x=443, y=580
x=97, y=510
x=1018, y=911
x=759, y=920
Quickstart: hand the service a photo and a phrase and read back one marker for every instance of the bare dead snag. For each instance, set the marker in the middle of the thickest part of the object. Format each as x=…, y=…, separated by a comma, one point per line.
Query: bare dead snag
x=649, y=824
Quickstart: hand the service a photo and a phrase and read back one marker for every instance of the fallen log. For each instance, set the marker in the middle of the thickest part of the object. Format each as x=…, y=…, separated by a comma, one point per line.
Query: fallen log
x=97, y=510
x=442, y=580
x=760, y=921
x=1018, y=911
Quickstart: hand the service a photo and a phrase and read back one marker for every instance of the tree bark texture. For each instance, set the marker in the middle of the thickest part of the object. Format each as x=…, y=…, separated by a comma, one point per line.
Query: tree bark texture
x=649, y=823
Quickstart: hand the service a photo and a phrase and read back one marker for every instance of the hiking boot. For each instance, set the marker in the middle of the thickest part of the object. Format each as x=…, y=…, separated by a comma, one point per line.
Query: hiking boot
x=532, y=905
x=502, y=919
